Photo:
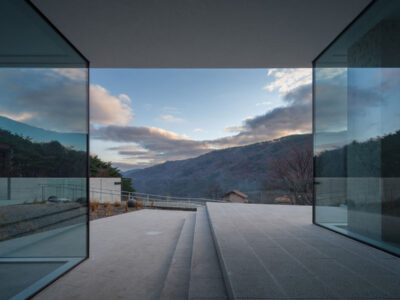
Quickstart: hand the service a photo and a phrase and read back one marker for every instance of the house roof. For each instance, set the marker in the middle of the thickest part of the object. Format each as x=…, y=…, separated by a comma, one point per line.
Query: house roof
x=201, y=34
x=237, y=193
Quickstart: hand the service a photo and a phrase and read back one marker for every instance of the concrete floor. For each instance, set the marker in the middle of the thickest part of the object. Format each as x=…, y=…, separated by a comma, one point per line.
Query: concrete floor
x=274, y=252
x=262, y=252
x=129, y=258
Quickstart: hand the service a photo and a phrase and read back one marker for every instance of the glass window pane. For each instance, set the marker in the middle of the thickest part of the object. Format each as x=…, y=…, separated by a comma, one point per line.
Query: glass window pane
x=356, y=129
x=43, y=152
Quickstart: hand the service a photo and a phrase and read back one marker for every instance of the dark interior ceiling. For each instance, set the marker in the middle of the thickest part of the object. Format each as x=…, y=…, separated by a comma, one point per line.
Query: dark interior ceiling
x=200, y=33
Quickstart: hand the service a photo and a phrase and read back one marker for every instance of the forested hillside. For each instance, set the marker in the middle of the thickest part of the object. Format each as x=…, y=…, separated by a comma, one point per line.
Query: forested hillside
x=33, y=159
x=245, y=168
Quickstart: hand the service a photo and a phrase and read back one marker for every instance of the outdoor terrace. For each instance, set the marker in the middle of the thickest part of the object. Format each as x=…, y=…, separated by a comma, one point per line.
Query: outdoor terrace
x=235, y=251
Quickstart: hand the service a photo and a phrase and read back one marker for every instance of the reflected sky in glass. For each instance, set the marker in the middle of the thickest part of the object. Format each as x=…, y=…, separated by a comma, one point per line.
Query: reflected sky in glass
x=45, y=104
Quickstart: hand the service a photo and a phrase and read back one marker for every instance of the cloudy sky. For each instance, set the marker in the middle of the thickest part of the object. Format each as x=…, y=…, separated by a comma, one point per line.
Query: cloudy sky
x=142, y=117
x=53, y=99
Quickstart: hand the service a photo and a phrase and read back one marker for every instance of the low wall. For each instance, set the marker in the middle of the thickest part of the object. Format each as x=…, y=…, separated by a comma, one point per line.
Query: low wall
x=105, y=189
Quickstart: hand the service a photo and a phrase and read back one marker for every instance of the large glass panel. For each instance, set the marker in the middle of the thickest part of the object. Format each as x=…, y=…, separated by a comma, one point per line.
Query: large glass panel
x=357, y=129
x=43, y=152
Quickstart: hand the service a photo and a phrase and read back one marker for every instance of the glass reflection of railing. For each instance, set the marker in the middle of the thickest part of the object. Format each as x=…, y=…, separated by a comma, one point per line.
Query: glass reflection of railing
x=41, y=213
x=39, y=221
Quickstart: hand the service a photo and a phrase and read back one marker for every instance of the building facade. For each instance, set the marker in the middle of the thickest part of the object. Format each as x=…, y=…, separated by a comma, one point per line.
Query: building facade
x=235, y=196
x=105, y=189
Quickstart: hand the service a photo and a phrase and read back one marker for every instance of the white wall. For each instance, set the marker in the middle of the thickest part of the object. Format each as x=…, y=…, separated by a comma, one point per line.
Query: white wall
x=105, y=189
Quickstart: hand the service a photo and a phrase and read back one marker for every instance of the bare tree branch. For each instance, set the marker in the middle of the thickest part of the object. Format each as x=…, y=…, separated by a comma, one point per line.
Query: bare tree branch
x=293, y=171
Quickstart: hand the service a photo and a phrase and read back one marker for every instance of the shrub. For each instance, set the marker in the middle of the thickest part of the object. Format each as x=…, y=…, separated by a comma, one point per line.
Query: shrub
x=139, y=204
x=108, y=211
x=117, y=204
x=94, y=206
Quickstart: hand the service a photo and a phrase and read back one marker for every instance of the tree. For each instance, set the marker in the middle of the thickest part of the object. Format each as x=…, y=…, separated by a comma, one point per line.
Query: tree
x=99, y=168
x=294, y=172
x=33, y=159
x=127, y=185
x=214, y=191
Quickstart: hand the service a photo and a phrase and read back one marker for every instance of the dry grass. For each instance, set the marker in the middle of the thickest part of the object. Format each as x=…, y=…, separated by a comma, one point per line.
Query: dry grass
x=117, y=204
x=30, y=226
x=108, y=210
x=126, y=207
x=139, y=204
x=152, y=204
x=94, y=206
x=106, y=205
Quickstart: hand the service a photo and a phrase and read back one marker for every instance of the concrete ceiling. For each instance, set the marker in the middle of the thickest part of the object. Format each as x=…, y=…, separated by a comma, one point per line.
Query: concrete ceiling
x=200, y=33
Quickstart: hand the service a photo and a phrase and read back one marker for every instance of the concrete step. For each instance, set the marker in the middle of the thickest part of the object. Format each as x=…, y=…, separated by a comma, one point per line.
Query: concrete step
x=176, y=284
x=243, y=272
x=206, y=280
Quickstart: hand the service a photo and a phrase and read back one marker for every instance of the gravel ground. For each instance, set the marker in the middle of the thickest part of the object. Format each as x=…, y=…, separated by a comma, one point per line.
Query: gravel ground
x=19, y=220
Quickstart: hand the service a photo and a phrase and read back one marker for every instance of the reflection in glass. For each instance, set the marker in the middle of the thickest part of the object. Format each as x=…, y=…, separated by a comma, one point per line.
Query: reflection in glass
x=357, y=130
x=43, y=153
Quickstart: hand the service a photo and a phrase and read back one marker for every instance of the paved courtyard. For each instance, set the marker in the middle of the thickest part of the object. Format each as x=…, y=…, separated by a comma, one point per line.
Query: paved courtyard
x=235, y=251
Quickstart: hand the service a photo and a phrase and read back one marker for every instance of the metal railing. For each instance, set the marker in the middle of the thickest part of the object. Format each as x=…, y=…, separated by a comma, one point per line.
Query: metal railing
x=161, y=201
x=151, y=200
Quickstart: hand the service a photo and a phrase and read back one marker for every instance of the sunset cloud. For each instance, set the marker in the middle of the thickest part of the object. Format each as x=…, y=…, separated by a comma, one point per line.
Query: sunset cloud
x=106, y=109
x=18, y=117
x=286, y=80
x=150, y=145
x=284, y=112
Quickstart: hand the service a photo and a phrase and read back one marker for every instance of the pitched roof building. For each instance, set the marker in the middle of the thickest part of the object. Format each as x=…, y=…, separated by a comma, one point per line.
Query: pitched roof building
x=235, y=196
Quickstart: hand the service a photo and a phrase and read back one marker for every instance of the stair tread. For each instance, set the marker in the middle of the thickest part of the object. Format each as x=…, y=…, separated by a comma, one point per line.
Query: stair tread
x=176, y=284
x=206, y=280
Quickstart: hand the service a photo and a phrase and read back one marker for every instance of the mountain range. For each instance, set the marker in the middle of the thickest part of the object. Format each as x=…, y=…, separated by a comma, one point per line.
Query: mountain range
x=244, y=168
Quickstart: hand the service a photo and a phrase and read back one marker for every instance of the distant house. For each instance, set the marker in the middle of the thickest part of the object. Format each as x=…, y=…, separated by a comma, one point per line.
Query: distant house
x=283, y=200
x=235, y=196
